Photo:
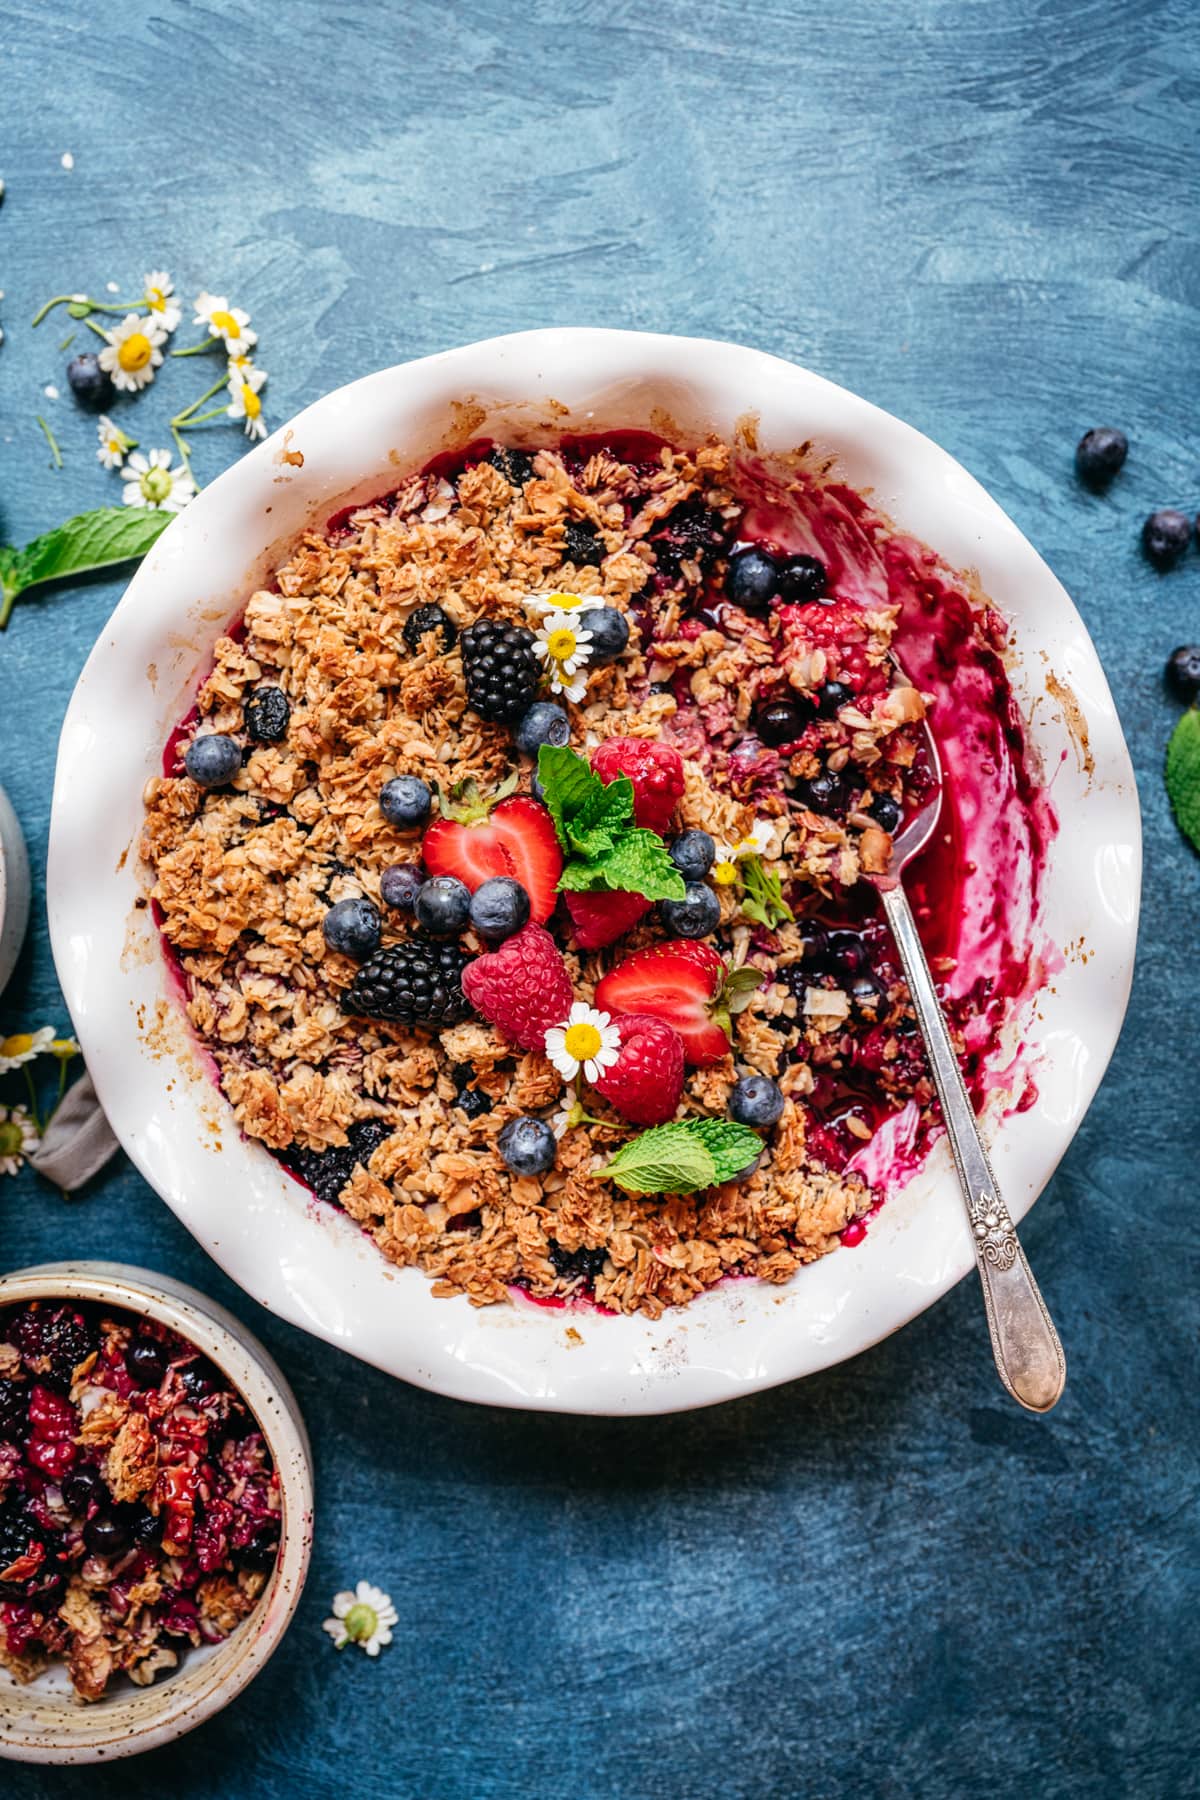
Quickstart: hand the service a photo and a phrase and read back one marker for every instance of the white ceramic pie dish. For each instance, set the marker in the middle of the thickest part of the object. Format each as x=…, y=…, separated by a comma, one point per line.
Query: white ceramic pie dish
x=309, y=1262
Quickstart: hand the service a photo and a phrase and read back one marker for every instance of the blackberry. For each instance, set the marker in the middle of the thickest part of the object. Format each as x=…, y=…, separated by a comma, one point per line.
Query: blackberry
x=326, y=1172
x=515, y=465
x=692, y=533
x=18, y=1533
x=582, y=1264
x=53, y=1341
x=14, y=1410
x=426, y=619
x=259, y=1554
x=267, y=714
x=583, y=545
x=413, y=983
x=473, y=1102
x=501, y=669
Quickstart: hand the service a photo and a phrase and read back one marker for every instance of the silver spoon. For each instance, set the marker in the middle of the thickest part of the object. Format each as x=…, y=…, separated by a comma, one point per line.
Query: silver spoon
x=1025, y=1344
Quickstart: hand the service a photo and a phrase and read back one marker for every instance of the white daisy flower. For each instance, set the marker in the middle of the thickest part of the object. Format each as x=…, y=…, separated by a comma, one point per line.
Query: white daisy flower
x=158, y=291
x=244, y=403
x=133, y=352
x=565, y=648
x=24, y=1047
x=243, y=368
x=587, y=1040
x=151, y=481
x=569, y=1114
x=364, y=1617
x=225, y=321
x=114, y=445
x=727, y=856
x=557, y=603
x=18, y=1138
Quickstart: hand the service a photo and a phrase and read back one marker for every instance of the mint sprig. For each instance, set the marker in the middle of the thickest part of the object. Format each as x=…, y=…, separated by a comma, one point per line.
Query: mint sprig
x=604, y=849
x=763, y=899
x=683, y=1157
x=1183, y=775
x=90, y=541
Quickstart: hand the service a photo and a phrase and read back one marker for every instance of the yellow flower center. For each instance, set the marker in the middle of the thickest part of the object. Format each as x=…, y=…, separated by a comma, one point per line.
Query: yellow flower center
x=360, y=1622
x=567, y=602
x=156, y=300
x=561, y=643
x=155, y=484
x=725, y=874
x=251, y=402
x=20, y=1045
x=226, y=324
x=135, y=352
x=582, y=1041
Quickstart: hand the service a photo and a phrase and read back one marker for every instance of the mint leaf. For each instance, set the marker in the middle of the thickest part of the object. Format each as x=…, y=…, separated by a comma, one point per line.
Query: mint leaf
x=91, y=540
x=732, y=1147
x=670, y=1159
x=567, y=783
x=639, y=864
x=1183, y=775
x=593, y=819
x=763, y=899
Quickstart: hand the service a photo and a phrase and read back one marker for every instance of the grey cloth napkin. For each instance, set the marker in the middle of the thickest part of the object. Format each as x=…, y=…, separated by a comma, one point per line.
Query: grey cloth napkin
x=78, y=1141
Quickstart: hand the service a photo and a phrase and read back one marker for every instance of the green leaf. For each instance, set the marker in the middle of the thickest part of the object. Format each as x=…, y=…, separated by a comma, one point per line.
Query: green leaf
x=92, y=540
x=604, y=849
x=670, y=1159
x=763, y=898
x=567, y=783
x=1183, y=775
x=639, y=864
x=732, y=1147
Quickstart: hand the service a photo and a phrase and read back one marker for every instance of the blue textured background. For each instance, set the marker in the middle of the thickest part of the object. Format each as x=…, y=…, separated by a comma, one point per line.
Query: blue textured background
x=984, y=217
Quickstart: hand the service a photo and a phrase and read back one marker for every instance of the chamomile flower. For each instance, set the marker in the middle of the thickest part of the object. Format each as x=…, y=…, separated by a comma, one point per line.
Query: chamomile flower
x=587, y=1040
x=569, y=1114
x=18, y=1138
x=245, y=404
x=63, y=1049
x=556, y=603
x=133, y=352
x=243, y=368
x=364, y=1617
x=24, y=1047
x=158, y=291
x=151, y=481
x=565, y=648
x=725, y=862
x=114, y=445
x=225, y=321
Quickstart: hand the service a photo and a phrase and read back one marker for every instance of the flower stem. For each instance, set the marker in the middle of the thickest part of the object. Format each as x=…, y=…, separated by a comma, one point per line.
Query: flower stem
x=218, y=412
x=184, y=455
x=55, y=452
x=105, y=306
x=67, y=341
x=185, y=417
x=98, y=329
x=210, y=343
x=33, y=1105
x=62, y=1088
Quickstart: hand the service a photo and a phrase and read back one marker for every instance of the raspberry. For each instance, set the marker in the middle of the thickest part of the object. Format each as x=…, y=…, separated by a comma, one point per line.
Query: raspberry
x=655, y=769
x=645, y=1082
x=522, y=988
x=413, y=983
x=597, y=919
x=500, y=668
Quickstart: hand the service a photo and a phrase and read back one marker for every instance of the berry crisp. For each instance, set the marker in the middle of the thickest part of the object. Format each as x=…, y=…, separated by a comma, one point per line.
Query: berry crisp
x=527, y=814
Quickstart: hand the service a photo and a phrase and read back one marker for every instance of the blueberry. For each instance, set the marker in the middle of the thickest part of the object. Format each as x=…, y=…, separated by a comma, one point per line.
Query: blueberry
x=499, y=908
x=831, y=697
x=405, y=801
x=425, y=619
x=802, y=578
x=816, y=946
x=886, y=812
x=260, y=1553
x=844, y=953
x=353, y=928
x=90, y=384
x=825, y=793
x=106, y=1535
x=527, y=1145
x=473, y=1102
x=583, y=1264
x=693, y=853
x=751, y=579
x=780, y=723
x=1183, y=671
x=610, y=633
x=583, y=545
x=544, y=723
x=267, y=714
x=756, y=1100
x=866, y=993
x=1099, y=454
x=212, y=760
x=81, y=1486
x=146, y=1362
x=695, y=916
x=399, y=885
x=1165, y=537
x=146, y=1527
x=443, y=906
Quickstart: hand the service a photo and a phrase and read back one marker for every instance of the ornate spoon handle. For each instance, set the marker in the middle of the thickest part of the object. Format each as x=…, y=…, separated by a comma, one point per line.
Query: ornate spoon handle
x=1025, y=1344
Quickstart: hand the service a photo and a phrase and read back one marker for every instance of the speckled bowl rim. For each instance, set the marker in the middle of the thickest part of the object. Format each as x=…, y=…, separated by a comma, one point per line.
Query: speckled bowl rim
x=42, y=1727
x=312, y=1263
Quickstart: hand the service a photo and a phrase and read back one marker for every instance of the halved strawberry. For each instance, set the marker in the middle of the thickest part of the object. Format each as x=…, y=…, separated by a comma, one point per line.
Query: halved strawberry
x=597, y=919
x=517, y=839
x=681, y=982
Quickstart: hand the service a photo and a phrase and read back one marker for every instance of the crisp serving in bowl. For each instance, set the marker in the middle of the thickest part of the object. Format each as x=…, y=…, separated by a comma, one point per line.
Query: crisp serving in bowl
x=506, y=852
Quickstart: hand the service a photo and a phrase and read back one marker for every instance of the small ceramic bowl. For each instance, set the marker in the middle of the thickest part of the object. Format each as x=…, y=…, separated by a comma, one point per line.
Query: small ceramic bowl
x=43, y=1721
x=14, y=889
